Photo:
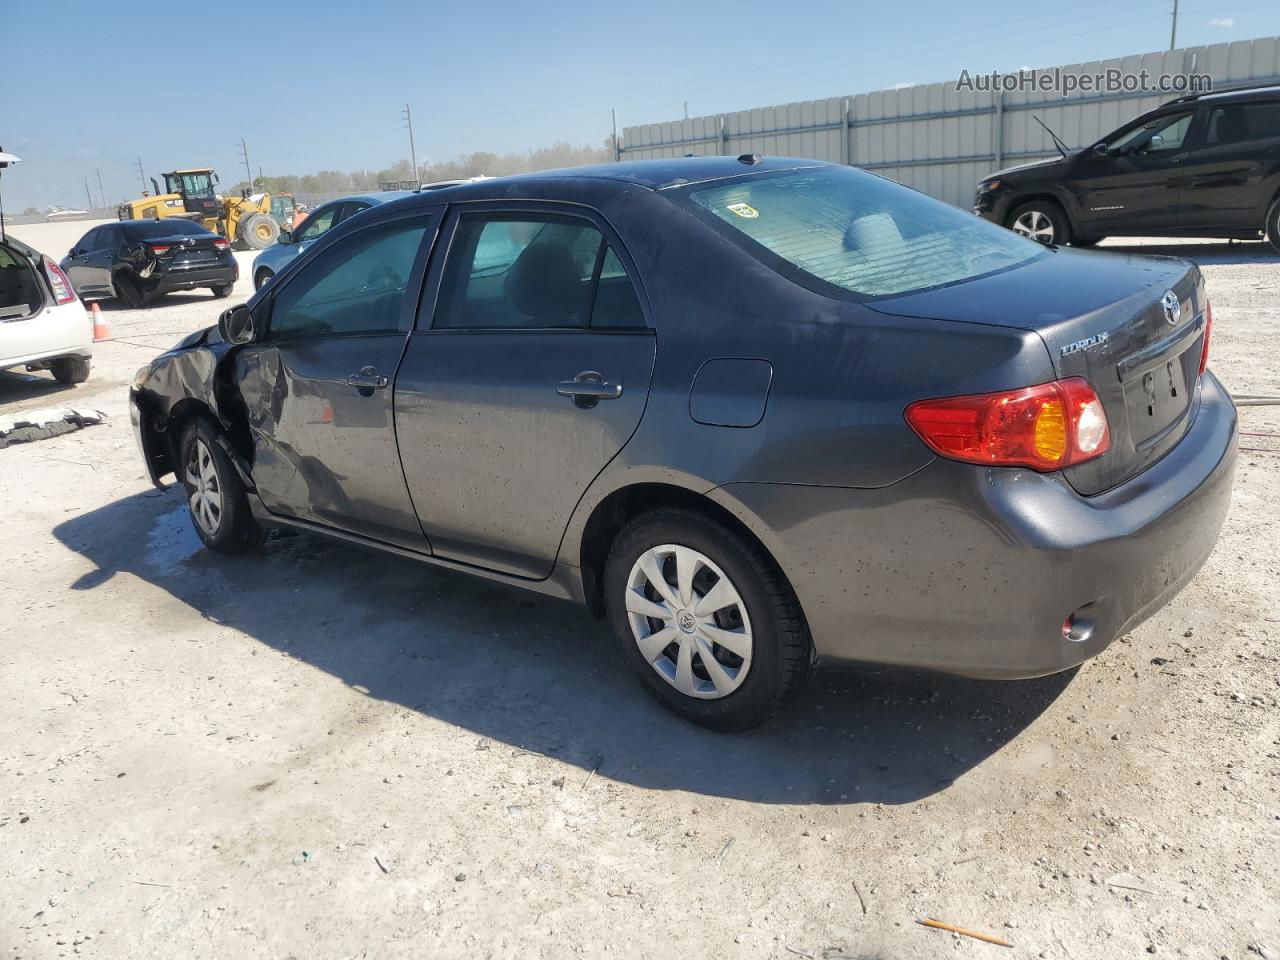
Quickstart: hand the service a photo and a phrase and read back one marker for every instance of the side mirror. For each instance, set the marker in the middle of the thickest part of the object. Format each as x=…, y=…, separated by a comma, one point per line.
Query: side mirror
x=1101, y=150
x=286, y=236
x=73, y=252
x=235, y=326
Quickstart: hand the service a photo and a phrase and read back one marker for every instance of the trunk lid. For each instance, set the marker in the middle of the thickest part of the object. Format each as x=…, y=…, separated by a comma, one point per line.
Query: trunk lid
x=184, y=249
x=1102, y=317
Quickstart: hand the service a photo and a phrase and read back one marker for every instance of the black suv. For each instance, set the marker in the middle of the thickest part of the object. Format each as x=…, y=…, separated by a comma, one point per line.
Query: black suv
x=1206, y=165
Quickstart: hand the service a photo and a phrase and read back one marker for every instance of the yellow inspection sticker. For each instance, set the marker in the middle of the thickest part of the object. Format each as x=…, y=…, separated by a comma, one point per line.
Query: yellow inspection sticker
x=744, y=210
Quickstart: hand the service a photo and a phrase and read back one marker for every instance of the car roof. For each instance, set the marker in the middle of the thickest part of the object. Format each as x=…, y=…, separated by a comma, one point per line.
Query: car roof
x=1268, y=91
x=658, y=174
x=385, y=196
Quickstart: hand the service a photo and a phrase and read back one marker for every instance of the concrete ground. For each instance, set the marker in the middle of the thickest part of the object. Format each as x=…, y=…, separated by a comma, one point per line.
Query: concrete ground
x=317, y=752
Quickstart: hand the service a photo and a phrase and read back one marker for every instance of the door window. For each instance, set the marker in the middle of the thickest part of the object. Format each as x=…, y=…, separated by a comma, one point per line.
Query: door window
x=516, y=272
x=355, y=287
x=1159, y=135
x=1243, y=123
x=350, y=209
x=319, y=222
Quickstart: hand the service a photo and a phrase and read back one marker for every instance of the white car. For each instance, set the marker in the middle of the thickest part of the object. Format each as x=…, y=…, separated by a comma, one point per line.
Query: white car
x=43, y=325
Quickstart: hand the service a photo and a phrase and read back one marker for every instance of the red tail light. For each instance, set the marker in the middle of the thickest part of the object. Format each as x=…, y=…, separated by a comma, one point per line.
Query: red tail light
x=1045, y=427
x=158, y=249
x=63, y=292
x=220, y=243
x=1208, y=329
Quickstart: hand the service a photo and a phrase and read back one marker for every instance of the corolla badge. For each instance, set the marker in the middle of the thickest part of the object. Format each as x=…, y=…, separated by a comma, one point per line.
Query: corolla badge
x=1172, y=308
x=1096, y=340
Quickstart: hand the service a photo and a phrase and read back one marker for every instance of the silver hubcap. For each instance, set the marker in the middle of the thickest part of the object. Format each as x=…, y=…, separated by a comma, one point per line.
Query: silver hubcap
x=689, y=622
x=204, y=489
x=1036, y=225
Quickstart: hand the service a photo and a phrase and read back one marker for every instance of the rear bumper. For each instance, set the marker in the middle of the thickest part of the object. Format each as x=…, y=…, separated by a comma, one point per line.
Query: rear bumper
x=203, y=276
x=973, y=571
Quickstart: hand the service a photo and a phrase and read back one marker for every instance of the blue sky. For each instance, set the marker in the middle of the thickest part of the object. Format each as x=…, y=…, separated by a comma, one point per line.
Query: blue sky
x=320, y=84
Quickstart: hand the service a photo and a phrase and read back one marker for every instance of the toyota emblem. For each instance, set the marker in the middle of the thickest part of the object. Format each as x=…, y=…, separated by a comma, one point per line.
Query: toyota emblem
x=1172, y=308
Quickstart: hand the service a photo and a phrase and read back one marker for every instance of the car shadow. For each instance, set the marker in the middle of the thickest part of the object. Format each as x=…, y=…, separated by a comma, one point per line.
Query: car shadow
x=167, y=300
x=538, y=674
x=1212, y=252
x=17, y=385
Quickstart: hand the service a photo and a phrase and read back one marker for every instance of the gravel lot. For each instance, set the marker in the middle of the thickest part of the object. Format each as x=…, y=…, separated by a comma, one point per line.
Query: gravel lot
x=319, y=752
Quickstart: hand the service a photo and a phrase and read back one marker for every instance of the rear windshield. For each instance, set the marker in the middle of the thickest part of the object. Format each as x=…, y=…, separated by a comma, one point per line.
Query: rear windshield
x=169, y=227
x=841, y=231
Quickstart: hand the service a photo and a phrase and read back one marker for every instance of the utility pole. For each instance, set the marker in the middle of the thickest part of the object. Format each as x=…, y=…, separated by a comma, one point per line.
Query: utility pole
x=413, y=152
x=244, y=152
x=87, y=194
x=102, y=193
x=686, y=109
x=1173, y=34
x=142, y=176
x=617, y=147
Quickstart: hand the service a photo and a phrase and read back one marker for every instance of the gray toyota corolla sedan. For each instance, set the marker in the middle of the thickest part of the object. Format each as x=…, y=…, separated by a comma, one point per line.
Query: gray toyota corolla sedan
x=753, y=411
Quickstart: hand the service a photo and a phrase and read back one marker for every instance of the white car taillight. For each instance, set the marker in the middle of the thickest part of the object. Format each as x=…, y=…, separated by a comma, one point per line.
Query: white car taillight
x=63, y=292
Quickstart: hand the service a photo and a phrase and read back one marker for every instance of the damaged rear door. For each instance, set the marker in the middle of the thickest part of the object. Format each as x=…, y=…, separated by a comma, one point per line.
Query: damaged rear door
x=317, y=386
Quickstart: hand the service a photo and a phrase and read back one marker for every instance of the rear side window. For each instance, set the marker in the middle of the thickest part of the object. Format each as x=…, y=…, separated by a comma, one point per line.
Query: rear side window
x=515, y=272
x=355, y=287
x=1243, y=123
x=841, y=230
x=319, y=222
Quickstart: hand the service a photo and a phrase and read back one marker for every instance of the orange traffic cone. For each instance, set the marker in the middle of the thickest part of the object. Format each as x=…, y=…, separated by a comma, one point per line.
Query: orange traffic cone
x=100, y=331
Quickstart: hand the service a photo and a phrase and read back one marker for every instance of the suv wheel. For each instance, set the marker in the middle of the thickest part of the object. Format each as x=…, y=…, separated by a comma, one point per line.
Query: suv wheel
x=1273, y=225
x=706, y=620
x=1042, y=221
x=215, y=494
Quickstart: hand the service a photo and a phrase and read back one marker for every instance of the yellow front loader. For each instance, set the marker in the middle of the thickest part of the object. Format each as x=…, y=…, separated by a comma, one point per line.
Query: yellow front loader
x=189, y=194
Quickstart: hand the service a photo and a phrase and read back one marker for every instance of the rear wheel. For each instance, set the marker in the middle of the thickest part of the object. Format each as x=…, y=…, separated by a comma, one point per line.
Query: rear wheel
x=258, y=231
x=261, y=277
x=706, y=620
x=70, y=369
x=1273, y=225
x=216, y=496
x=222, y=290
x=1042, y=221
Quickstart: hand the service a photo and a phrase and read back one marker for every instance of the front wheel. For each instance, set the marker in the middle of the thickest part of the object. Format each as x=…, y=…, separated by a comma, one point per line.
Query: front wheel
x=1042, y=221
x=216, y=496
x=261, y=277
x=258, y=231
x=1273, y=225
x=706, y=619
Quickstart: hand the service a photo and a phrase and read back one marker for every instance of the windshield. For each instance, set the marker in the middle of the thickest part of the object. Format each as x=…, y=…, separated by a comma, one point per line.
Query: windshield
x=856, y=232
x=189, y=184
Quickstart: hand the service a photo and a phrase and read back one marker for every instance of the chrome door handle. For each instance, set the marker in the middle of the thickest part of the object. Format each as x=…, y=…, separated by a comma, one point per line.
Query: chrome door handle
x=367, y=381
x=589, y=388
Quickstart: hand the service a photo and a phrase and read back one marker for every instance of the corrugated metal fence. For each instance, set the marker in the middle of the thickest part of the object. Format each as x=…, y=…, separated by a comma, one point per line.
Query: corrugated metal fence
x=940, y=140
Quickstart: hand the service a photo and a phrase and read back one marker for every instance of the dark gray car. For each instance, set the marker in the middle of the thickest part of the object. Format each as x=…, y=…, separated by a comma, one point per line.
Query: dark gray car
x=755, y=412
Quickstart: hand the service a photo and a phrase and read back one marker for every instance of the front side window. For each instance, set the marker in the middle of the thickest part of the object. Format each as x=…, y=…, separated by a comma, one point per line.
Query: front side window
x=355, y=287
x=841, y=231
x=319, y=222
x=530, y=272
x=1159, y=135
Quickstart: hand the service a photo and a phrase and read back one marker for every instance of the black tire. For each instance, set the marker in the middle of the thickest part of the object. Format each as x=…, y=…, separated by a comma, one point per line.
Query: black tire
x=258, y=231
x=222, y=290
x=233, y=528
x=132, y=292
x=261, y=277
x=70, y=370
x=1042, y=221
x=781, y=648
x=1273, y=225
